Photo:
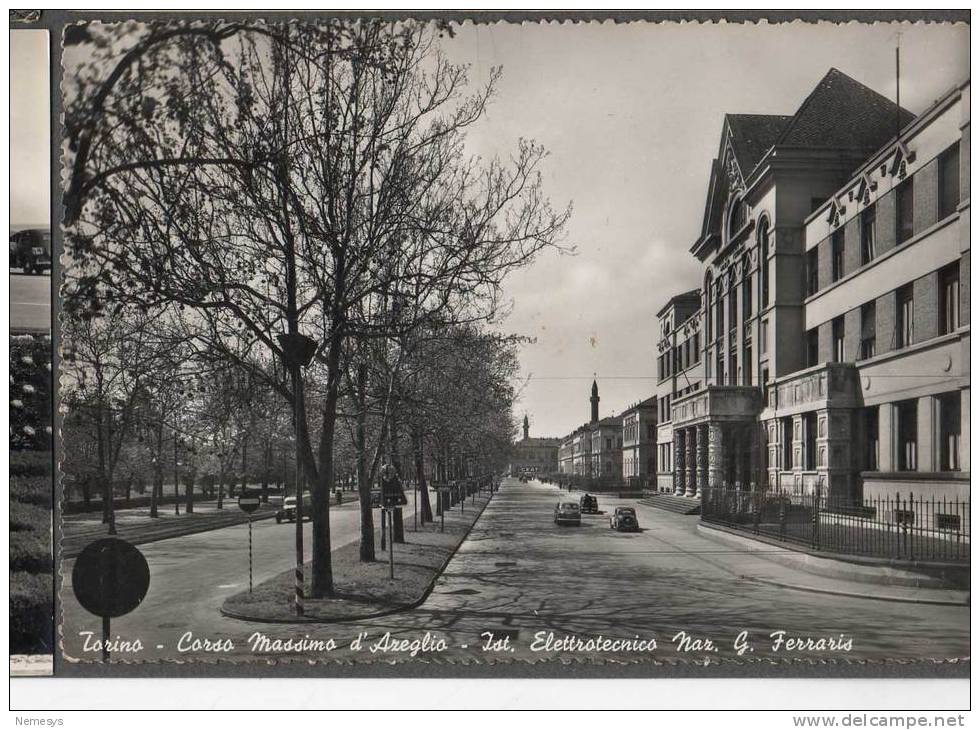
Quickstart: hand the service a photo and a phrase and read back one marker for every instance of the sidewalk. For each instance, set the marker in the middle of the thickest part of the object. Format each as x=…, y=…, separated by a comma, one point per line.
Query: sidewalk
x=773, y=565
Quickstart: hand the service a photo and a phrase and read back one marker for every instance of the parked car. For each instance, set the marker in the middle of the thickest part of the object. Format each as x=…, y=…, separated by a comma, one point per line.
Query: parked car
x=623, y=519
x=568, y=513
x=30, y=250
x=287, y=511
x=589, y=504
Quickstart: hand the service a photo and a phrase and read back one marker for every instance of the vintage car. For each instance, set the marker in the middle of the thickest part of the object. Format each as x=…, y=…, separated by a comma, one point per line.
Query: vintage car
x=623, y=519
x=287, y=511
x=588, y=504
x=568, y=513
x=30, y=250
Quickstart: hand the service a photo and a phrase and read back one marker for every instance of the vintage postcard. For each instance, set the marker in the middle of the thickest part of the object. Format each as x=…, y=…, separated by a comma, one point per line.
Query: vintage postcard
x=455, y=346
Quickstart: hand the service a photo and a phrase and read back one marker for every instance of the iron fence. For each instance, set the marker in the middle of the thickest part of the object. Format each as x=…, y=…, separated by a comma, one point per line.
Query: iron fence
x=899, y=527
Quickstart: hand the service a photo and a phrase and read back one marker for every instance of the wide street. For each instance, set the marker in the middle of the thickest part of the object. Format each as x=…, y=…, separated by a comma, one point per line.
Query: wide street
x=30, y=303
x=521, y=578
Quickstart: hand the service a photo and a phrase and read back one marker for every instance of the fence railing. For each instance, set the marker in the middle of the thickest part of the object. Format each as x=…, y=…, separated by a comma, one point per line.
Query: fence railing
x=900, y=527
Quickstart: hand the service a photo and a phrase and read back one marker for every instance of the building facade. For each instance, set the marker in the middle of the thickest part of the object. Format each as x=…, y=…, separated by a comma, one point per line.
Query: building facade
x=679, y=372
x=833, y=319
x=607, y=448
x=534, y=455
x=639, y=429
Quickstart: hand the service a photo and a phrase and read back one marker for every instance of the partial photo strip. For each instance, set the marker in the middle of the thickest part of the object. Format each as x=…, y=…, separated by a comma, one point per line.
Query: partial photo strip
x=30, y=376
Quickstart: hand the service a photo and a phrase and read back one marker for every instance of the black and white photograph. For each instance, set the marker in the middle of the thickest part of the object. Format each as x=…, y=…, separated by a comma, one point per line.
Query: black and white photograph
x=443, y=346
x=31, y=482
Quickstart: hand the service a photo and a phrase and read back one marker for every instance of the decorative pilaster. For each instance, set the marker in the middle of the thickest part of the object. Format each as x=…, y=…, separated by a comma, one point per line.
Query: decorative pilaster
x=715, y=455
x=680, y=463
x=690, y=441
x=702, y=459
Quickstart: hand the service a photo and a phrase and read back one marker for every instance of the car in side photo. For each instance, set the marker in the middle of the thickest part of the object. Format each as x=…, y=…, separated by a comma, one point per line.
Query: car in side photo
x=568, y=513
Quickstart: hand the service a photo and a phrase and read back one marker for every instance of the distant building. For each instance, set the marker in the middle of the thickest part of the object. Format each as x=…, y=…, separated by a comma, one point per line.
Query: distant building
x=534, y=455
x=607, y=448
x=639, y=459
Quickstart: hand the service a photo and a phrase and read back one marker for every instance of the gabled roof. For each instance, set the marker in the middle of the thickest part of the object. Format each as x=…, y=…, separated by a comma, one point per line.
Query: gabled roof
x=843, y=113
x=753, y=135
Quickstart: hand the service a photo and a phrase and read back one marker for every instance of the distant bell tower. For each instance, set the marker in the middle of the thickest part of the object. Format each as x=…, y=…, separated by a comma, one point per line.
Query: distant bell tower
x=595, y=401
x=527, y=427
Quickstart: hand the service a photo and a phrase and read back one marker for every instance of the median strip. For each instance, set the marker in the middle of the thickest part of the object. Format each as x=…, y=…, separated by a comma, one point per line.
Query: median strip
x=364, y=590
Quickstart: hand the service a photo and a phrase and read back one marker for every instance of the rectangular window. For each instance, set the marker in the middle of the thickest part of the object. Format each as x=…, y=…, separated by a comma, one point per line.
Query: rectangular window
x=809, y=441
x=812, y=272
x=949, y=299
x=697, y=347
x=949, y=431
x=733, y=369
x=904, y=214
x=868, y=328
x=949, y=181
x=904, y=316
x=660, y=367
x=811, y=348
x=870, y=418
x=746, y=297
x=908, y=433
x=837, y=254
x=747, y=367
x=764, y=336
x=838, y=343
x=787, y=439
x=720, y=315
x=720, y=373
x=731, y=308
x=868, y=234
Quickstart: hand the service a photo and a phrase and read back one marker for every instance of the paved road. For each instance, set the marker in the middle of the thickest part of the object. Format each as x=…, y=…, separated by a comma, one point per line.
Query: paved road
x=521, y=577
x=30, y=302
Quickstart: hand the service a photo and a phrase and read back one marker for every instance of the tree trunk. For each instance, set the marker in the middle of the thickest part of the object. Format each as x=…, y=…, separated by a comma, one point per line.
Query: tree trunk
x=244, y=464
x=265, y=474
x=87, y=491
x=221, y=488
x=363, y=487
x=397, y=523
x=189, y=491
x=425, y=513
x=129, y=488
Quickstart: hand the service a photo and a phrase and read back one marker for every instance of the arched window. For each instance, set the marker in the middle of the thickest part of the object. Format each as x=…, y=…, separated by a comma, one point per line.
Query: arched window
x=736, y=217
x=763, y=262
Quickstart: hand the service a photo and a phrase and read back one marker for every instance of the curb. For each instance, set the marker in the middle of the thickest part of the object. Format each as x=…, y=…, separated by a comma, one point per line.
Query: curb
x=868, y=596
x=805, y=563
x=375, y=614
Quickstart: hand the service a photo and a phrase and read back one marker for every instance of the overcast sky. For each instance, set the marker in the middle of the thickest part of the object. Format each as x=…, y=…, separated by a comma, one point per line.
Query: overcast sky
x=29, y=124
x=632, y=116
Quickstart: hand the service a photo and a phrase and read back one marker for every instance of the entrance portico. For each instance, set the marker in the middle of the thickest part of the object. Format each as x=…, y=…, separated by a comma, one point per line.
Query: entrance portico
x=716, y=439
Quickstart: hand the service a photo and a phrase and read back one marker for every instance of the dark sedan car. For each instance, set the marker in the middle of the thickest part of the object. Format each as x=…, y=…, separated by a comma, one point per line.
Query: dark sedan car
x=568, y=513
x=623, y=519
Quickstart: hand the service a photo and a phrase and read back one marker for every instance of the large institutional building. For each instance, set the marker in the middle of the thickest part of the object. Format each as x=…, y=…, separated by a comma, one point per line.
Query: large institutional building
x=828, y=345
x=533, y=455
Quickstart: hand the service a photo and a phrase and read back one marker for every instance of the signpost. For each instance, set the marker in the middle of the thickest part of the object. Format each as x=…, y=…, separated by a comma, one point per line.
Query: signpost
x=110, y=579
x=248, y=503
x=392, y=495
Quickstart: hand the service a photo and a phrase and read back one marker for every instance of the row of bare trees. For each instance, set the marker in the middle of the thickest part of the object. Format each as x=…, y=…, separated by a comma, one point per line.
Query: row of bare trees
x=236, y=182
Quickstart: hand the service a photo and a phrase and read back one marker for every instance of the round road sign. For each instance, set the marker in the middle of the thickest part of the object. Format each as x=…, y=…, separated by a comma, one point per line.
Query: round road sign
x=110, y=577
x=248, y=503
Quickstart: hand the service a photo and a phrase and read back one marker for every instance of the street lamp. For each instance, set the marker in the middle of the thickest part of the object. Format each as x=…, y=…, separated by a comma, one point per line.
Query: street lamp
x=297, y=352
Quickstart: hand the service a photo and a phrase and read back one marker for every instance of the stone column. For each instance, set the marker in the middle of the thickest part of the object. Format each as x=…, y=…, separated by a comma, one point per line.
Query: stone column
x=715, y=455
x=702, y=459
x=680, y=466
x=690, y=442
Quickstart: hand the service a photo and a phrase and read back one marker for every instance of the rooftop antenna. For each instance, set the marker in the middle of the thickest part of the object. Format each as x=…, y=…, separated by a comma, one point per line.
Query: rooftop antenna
x=898, y=86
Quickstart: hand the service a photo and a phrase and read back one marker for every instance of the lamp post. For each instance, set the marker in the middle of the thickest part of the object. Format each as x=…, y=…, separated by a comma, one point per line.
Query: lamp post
x=297, y=352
